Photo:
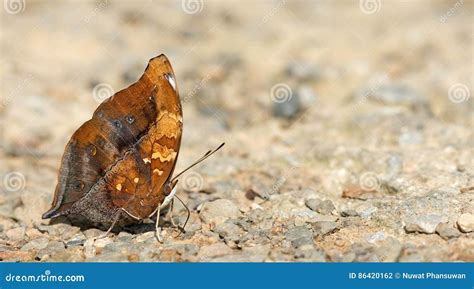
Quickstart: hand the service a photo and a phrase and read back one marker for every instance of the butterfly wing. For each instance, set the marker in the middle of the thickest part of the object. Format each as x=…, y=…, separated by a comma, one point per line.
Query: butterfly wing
x=132, y=134
x=157, y=152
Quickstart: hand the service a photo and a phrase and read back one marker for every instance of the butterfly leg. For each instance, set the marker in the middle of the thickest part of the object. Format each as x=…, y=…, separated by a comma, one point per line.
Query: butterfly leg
x=171, y=214
x=157, y=226
x=181, y=229
x=158, y=235
x=116, y=218
x=165, y=203
x=187, y=217
x=131, y=215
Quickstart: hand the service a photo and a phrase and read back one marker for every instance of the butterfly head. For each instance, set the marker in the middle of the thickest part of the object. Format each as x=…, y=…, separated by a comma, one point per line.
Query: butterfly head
x=169, y=186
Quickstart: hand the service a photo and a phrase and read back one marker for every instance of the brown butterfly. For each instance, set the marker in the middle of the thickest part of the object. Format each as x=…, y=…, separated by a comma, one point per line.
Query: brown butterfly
x=119, y=164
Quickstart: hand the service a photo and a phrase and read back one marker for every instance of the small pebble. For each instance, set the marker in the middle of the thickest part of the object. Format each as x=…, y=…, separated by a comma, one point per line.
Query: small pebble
x=16, y=234
x=228, y=230
x=53, y=247
x=388, y=249
x=76, y=240
x=144, y=237
x=194, y=224
x=124, y=236
x=349, y=213
x=423, y=224
x=313, y=204
x=102, y=242
x=89, y=249
x=33, y=233
x=323, y=227
x=366, y=210
x=447, y=231
x=36, y=244
x=218, y=211
x=325, y=207
x=379, y=236
x=93, y=233
x=299, y=236
x=466, y=223
x=258, y=189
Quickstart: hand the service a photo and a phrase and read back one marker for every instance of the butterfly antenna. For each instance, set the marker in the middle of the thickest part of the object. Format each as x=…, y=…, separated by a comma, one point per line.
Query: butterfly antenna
x=205, y=156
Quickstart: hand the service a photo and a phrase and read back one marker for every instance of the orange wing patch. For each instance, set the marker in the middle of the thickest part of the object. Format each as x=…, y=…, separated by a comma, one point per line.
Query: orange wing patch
x=121, y=187
x=169, y=125
x=163, y=153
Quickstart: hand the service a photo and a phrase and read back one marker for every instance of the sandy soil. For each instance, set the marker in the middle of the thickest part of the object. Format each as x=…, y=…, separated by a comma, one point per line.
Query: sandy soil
x=348, y=126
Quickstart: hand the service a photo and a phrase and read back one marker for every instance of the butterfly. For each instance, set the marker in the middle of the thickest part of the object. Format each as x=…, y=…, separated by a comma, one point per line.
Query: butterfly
x=120, y=163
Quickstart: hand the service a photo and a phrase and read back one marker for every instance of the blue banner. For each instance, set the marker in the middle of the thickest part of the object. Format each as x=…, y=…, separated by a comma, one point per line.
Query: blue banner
x=237, y=275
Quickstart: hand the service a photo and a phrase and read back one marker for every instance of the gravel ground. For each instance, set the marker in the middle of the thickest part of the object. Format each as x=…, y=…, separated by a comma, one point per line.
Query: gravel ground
x=348, y=127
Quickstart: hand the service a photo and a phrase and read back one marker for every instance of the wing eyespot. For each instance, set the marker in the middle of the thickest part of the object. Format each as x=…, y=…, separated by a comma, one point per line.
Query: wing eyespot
x=91, y=150
x=130, y=119
x=78, y=186
x=116, y=123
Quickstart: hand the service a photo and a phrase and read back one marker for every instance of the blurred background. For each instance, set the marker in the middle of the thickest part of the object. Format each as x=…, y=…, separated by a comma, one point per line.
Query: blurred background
x=365, y=104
